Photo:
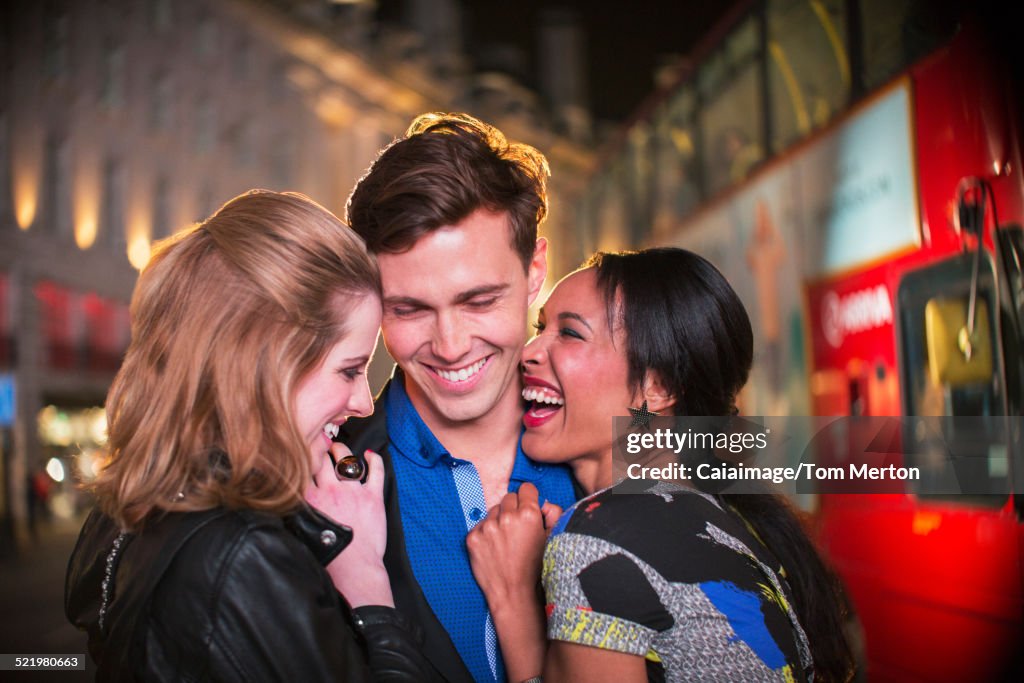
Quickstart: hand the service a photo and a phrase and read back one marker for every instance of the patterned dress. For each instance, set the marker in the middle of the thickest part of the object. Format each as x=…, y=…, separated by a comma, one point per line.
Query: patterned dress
x=665, y=573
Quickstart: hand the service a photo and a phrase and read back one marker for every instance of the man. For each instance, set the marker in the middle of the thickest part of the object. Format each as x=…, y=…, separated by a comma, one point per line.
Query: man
x=451, y=211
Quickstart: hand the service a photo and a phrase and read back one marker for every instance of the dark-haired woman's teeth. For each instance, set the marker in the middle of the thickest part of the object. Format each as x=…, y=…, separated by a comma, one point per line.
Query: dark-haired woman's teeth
x=542, y=396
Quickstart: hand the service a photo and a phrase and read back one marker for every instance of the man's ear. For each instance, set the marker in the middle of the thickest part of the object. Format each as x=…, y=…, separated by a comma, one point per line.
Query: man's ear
x=538, y=269
x=659, y=399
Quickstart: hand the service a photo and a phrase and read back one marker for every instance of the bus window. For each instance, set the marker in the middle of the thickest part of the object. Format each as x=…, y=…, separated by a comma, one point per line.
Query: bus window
x=808, y=66
x=676, y=191
x=639, y=182
x=949, y=280
x=930, y=391
x=899, y=32
x=613, y=229
x=1011, y=242
x=731, y=117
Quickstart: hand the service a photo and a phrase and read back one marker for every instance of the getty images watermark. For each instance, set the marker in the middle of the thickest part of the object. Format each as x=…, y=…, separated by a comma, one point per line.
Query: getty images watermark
x=920, y=455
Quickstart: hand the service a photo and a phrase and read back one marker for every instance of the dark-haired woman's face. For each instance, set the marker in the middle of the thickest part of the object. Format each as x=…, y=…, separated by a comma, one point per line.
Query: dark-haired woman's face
x=576, y=375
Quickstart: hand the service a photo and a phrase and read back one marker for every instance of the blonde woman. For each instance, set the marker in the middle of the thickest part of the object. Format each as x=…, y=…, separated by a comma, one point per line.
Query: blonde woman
x=222, y=547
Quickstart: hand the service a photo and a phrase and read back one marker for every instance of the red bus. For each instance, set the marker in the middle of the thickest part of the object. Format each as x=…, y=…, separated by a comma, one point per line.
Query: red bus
x=854, y=168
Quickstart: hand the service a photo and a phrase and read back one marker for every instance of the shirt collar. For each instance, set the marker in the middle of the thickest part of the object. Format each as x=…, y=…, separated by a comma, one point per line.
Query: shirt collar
x=414, y=440
x=418, y=444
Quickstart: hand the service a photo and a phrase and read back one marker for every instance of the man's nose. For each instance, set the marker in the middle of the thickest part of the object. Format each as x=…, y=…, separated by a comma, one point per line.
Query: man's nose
x=452, y=338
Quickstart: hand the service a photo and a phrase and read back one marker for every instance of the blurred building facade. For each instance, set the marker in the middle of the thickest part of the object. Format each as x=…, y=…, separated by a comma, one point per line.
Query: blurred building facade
x=122, y=122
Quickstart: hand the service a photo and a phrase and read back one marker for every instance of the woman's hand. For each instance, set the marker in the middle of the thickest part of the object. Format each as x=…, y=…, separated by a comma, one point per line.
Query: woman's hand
x=505, y=548
x=505, y=551
x=358, y=572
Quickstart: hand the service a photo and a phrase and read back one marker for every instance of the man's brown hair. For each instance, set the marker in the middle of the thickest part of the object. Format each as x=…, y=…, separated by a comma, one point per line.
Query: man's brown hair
x=446, y=167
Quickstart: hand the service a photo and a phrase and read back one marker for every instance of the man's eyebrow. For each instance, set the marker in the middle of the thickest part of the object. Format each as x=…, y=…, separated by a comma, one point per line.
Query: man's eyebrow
x=484, y=290
x=575, y=316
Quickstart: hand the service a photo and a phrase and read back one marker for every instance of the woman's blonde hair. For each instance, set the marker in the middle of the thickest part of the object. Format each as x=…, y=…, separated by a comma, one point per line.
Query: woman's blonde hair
x=227, y=318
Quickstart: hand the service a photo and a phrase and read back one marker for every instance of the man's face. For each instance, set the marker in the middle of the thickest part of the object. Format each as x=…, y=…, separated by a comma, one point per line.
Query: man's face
x=455, y=309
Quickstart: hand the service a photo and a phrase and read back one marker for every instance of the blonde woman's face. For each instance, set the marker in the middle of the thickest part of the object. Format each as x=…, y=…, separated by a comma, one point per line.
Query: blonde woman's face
x=338, y=389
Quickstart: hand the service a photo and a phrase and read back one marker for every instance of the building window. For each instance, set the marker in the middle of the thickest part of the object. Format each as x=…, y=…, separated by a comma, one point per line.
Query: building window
x=206, y=37
x=57, y=322
x=206, y=205
x=57, y=188
x=282, y=154
x=242, y=59
x=239, y=141
x=56, y=28
x=161, y=112
x=204, y=125
x=112, y=217
x=278, y=90
x=113, y=76
x=7, y=325
x=161, y=208
x=5, y=172
x=161, y=16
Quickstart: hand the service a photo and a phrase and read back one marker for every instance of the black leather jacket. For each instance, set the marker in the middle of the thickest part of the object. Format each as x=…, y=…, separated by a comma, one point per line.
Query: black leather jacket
x=225, y=595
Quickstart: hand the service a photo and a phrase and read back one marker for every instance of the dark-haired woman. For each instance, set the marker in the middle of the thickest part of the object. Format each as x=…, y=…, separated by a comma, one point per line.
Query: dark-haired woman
x=673, y=583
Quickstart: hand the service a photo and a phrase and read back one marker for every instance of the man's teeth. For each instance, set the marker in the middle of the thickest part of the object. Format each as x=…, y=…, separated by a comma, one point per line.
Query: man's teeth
x=331, y=430
x=463, y=374
x=538, y=395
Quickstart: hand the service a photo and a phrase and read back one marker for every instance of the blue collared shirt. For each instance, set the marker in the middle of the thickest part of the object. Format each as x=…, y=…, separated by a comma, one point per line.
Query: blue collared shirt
x=441, y=498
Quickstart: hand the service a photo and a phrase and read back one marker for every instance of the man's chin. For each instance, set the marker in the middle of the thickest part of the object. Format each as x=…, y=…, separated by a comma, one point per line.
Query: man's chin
x=462, y=413
x=451, y=406
x=464, y=408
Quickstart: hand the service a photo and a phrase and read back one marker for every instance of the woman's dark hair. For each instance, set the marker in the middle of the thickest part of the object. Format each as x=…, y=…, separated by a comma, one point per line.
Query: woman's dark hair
x=683, y=321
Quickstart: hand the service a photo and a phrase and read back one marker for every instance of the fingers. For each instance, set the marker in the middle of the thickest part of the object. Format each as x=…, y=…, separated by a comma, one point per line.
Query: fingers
x=509, y=504
x=551, y=513
x=526, y=497
x=528, y=494
x=339, y=451
x=375, y=476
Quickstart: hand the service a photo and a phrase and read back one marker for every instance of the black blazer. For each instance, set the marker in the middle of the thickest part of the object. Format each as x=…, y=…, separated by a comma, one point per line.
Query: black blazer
x=371, y=433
